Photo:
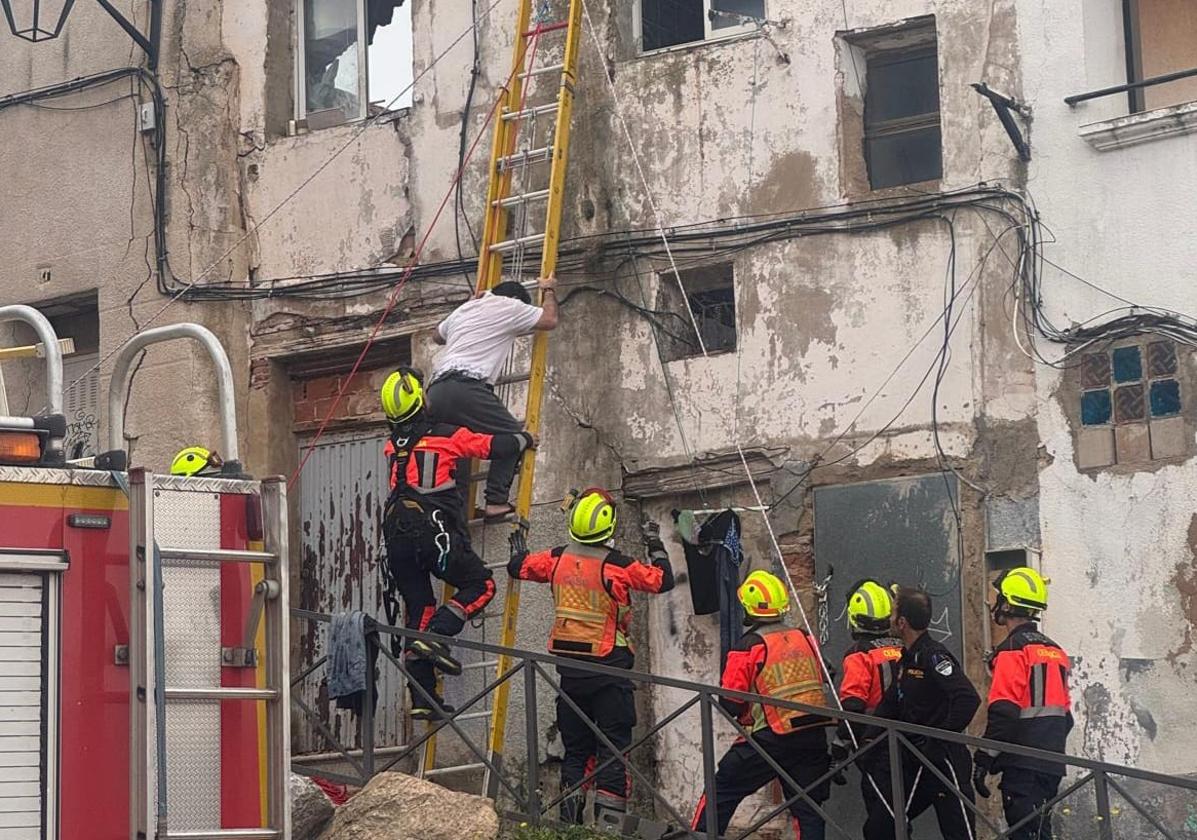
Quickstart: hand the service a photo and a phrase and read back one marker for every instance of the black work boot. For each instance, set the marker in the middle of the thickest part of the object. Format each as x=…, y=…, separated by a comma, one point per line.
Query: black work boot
x=438, y=654
x=422, y=709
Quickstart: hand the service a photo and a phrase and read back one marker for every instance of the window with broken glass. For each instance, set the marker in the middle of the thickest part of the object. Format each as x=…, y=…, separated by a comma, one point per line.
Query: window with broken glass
x=670, y=23
x=709, y=302
x=1134, y=391
x=354, y=59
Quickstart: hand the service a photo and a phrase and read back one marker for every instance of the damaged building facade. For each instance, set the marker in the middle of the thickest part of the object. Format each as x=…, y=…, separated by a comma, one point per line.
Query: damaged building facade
x=905, y=322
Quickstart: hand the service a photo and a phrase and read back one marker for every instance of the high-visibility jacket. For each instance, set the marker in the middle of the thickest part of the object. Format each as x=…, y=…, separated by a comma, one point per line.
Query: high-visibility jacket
x=422, y=459
x=870, y=668
x=777, y=661
x=1029, y=700
x=592, y=588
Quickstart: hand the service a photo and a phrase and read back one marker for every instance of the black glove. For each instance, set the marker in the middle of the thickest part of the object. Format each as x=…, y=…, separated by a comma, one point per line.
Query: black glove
x=519, y=545
x=982, y=768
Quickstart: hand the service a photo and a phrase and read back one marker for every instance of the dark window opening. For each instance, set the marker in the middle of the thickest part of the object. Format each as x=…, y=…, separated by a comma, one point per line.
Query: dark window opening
x=671, y=23
x=902, y=131
x=1161, y=38
x=711, y=298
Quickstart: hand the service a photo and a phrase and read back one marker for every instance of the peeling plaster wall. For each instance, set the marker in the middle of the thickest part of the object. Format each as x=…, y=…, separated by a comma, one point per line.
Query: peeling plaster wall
x=1119, y=545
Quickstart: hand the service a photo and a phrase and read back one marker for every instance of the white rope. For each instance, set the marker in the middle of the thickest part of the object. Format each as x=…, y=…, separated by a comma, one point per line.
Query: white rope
x=627, y=134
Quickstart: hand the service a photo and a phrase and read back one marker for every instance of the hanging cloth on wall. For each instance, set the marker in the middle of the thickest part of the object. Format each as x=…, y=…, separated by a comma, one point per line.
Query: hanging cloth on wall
x=713, y=558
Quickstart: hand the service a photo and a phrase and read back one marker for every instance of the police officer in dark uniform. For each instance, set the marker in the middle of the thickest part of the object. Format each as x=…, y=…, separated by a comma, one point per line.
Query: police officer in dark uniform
x=932, y=690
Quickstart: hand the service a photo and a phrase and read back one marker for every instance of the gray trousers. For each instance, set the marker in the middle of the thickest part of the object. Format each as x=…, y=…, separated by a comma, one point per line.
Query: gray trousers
x=472, y=403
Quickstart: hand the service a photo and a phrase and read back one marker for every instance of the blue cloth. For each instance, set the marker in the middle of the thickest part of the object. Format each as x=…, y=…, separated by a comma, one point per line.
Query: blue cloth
x=347, y=655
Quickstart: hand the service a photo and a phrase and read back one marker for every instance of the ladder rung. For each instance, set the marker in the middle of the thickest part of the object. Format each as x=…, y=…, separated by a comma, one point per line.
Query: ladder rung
x=513, y=378
x=542, y=28
x=526, y=157
x=502, y=564
x=199, y=555
x=534, y=111
x=509, y=245
x=485, y=663
x=226, y=834
x=524, y=198
x=543, y=71
x=473, y=716
x=221, y=694
x=498, y=520
x=460, y=768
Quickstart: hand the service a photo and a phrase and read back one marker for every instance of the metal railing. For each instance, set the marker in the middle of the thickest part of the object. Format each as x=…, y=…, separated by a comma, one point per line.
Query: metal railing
x=1129, y=86
x=903, y=745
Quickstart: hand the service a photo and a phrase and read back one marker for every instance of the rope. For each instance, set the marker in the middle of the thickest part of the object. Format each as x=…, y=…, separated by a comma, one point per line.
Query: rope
x=660, y=230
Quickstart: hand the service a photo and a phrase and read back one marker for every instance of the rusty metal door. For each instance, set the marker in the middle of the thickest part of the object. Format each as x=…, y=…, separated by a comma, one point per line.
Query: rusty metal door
x=341, y=497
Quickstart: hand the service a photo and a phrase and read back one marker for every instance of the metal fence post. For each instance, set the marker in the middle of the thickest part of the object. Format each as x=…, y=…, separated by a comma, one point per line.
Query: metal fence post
x=1105, y=827
x=367, y=718
x=897, y=786
x=532, y=735
x=708, y=765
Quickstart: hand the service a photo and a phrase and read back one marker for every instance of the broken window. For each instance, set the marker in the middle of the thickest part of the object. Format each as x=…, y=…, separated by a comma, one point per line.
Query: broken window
x=671, y=23
x=1161, y=38
x=1130, y=405
x=901, y=112
x=355, y=59
x=709, y=302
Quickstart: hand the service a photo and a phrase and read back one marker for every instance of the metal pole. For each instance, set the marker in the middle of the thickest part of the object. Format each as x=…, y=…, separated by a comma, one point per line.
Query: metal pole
x=708, y=764
x=532, y=737
x=1105, y=828
x=897, y=787
x=367, y=720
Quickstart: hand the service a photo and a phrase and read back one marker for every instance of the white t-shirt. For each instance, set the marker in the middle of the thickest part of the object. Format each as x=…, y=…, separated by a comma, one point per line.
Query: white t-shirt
x=479, y=335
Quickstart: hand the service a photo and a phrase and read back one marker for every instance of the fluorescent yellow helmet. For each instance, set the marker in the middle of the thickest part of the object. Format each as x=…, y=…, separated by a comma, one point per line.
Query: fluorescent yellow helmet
x=402, y=395
x=763, y=595
x=1023, y=591
x=870, y=606
x=194, y=460
x=592, y=518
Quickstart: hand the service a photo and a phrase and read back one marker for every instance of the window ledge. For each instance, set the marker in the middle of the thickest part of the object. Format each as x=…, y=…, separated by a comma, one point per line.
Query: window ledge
x=689, y=46
x=1141, y=128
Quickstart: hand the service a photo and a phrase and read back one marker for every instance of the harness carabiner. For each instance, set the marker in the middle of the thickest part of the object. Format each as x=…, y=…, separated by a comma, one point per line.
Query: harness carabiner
x=441, y=539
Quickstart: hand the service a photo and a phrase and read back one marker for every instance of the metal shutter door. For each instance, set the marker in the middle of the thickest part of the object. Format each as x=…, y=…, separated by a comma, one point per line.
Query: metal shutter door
x=21, y=664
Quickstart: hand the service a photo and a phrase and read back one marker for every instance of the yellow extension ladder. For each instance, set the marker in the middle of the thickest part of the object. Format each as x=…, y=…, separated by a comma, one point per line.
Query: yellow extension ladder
x=527, y=173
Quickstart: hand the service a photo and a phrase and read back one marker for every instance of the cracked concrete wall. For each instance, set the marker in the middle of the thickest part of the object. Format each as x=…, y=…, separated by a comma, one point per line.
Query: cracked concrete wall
x=1118, y=543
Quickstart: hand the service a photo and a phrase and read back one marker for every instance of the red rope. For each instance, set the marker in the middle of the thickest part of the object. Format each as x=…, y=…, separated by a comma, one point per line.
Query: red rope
x=394, y=297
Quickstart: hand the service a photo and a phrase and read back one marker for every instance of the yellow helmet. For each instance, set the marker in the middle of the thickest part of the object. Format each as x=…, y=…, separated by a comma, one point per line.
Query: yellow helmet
x=194, y=460
x=1021, y=591
x=402, y=395
x=592, y=518
x=764, y=595
x=870, y=606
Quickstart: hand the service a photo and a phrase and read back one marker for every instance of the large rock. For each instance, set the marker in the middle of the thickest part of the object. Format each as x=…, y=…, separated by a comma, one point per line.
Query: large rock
x=310, y=808
x=395, y=806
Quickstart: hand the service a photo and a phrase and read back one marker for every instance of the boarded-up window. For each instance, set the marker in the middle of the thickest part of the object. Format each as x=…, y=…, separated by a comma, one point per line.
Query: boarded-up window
x=1161, y=38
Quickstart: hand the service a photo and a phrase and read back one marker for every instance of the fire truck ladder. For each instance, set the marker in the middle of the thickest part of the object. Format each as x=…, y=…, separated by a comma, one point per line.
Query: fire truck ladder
x=175, y=659
x=527, y=185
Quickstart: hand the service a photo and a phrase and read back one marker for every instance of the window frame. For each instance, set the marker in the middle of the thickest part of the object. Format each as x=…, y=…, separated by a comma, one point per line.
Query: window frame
x=881, y=56
x=710, y=35
x=363, y=63
x=698, y=280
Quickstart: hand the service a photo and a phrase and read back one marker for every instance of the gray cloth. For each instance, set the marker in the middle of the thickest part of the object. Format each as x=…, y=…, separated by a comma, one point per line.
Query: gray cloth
x=461, y=401
x=347, y=654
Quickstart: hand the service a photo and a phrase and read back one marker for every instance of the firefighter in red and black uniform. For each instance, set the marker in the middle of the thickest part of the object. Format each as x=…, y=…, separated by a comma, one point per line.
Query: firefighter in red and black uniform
x=774, y=660
x=592, y=585
x=870, y=667
x=1029, y=705
x=425, y=530
x=932, y=690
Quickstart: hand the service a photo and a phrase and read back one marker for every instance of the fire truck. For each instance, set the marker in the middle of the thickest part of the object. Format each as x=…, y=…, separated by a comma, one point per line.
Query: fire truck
x=144, y=689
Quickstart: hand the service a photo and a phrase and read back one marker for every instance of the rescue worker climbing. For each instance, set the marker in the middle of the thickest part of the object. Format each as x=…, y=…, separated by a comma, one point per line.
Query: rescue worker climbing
x=931, y=689
x=425, y=531
x=870, y=667
x=1029, y=704
x=774, y=660
x=592, y=586
x=195, y=460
